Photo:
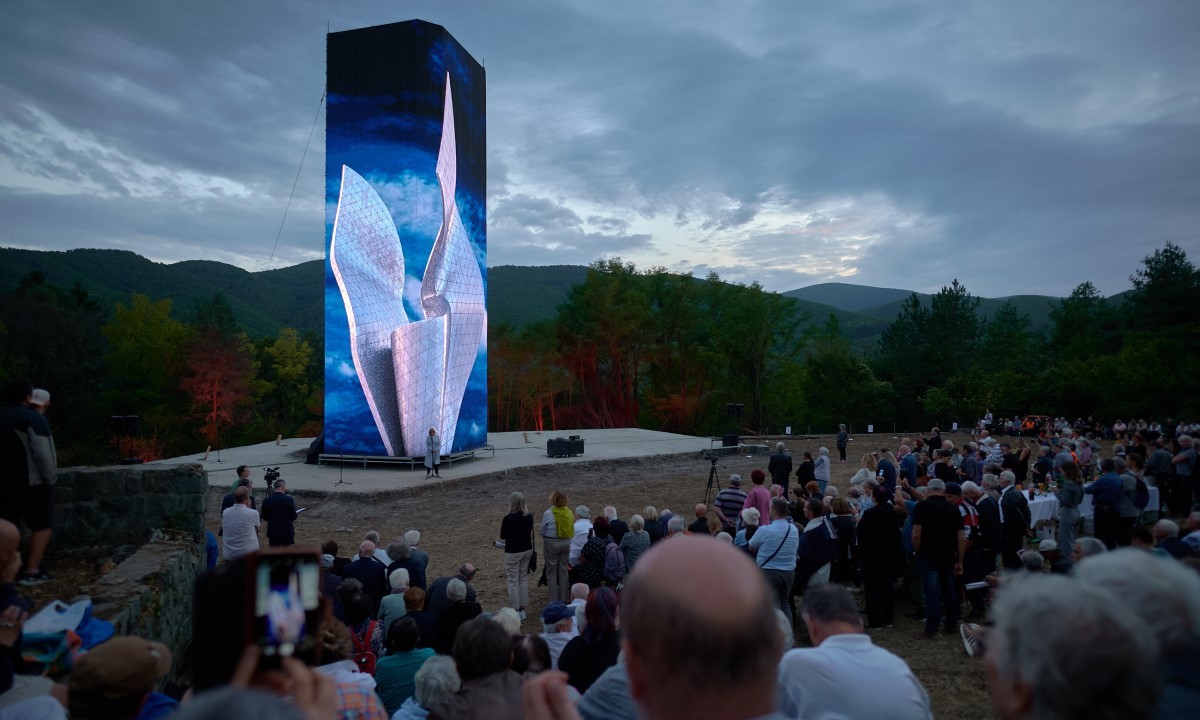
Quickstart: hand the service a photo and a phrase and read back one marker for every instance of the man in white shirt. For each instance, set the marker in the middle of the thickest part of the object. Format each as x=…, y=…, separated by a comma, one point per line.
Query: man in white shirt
x=826, y=680
x=239, y=525
x=583, y=529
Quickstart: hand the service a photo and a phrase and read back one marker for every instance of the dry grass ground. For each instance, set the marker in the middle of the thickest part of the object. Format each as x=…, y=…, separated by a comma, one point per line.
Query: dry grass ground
x=459, y=520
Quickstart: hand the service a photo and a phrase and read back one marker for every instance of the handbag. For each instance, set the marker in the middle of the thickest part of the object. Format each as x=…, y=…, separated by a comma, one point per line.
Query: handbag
x=532, y=544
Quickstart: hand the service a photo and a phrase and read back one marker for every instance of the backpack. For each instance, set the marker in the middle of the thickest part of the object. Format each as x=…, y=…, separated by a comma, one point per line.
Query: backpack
x=364, y=659
x=614, y=563
x=1141, y=496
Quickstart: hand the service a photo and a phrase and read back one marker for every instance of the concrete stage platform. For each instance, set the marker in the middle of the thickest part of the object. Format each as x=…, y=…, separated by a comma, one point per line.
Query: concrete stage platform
x=511, y=452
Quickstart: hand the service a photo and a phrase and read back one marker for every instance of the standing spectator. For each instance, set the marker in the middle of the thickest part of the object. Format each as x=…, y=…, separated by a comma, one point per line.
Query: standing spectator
x=729, y=503
x=888, y=474
x=940, y=543
x=806, y=472
x=490, y=690
x=1106, y=495
x=780, y=467
x=655, y=528
x=1017, y=461
x=845, y=565
x=759, y=497
x=879, y=549
x=1185, y=467
x=279, y=510
x=868, y=471
x=395, y=672
x=825, y=681
x=370, y=571
x=1126, y=509
x=516, y=530
x=556, y=530
x=635, y=542
x=910, y=466
x=433, y=453
x=590, y=567
x=437, y=597
x=968, y=466
x=616, y=526
x=821, y=468
x=1070, y=494
x=581, y=531
x=816, y=550
x=843, y=438
x=1014, y=520
x=458, y=612
x=972, y=558
x=1159, y=472
x=239, y=526
x=776, y=546
x=28, y=468
x=228, y=500
x=595, y=649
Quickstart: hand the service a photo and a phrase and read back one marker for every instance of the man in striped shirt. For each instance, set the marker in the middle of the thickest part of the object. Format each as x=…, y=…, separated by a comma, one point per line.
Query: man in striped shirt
x=973, y=560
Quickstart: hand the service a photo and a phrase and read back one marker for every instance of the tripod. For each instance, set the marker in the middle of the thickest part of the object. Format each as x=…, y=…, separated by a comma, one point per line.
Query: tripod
x=341, y=469
x=712, y=476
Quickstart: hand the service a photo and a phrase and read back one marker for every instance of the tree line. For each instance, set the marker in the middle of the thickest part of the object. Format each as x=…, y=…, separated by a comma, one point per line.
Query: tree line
x=629, y=347
x=655, y=349
x=192, y=383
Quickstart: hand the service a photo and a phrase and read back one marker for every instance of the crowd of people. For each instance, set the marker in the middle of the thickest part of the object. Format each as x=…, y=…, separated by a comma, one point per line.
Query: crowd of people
x=662, y=615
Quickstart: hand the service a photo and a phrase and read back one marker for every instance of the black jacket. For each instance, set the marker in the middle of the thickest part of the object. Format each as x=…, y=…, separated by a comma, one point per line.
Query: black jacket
x=370, y=572
x=279, y=510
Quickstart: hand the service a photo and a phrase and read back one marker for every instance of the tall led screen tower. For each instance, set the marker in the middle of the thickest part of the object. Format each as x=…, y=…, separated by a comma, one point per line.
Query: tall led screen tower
x=405, y=242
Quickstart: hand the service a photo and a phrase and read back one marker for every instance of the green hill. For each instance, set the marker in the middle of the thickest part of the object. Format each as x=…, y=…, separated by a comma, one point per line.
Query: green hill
x=846, y=296
x=519, y=294
x=263, y=302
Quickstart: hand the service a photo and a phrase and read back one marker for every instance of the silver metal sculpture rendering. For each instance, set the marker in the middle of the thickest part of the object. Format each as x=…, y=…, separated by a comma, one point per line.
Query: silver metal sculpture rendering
x=414, y=373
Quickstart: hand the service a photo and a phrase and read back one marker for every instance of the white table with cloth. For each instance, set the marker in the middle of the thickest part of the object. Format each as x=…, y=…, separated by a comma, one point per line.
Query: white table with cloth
x=1042, y=507
x=1086, y=509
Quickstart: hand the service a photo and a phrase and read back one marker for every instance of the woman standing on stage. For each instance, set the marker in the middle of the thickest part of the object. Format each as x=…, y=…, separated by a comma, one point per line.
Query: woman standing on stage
x=433, y=453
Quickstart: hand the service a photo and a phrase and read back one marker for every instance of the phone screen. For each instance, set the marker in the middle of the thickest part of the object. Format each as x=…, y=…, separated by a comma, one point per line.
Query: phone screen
x=287, y=589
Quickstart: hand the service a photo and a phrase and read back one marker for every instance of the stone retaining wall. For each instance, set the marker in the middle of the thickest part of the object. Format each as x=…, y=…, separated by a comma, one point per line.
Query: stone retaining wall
x=150, y=593
x=122, y=505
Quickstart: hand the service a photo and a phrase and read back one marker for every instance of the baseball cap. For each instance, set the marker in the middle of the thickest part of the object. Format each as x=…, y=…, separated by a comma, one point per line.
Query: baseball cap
x=119, y=671
x=556, y=612
x=1047, y=546
x=39, y=397
x=735, y=479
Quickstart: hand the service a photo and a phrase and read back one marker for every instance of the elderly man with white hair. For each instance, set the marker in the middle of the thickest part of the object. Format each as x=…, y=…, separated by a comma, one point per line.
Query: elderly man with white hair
x=1060, y=648
x=583, y=530
x=780, y=467
x=1167, y=540
x=1087, y=547
x=1166, y=597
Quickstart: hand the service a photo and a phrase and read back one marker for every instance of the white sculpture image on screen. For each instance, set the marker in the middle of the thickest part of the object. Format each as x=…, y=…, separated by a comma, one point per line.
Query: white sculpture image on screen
x=414, y=373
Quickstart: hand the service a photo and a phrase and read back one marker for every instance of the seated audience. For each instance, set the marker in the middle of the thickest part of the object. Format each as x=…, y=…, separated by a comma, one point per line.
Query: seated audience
x=530, y=655
x=1066, y=668
x=392, y=607
x=453, y=617
x=435, y=596
x=590, y=653
x=434, y=684
x=558, y=628
x=508, y=619
x=369, y=571
x=365, y=631
x=1166, y=536
x=116, y=679
x=402, y=557
x=395, y=672
x=490, y=689
x=414, y=605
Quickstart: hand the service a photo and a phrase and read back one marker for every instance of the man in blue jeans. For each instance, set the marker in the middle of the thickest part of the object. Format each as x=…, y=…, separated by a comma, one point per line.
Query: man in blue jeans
x=940, y=544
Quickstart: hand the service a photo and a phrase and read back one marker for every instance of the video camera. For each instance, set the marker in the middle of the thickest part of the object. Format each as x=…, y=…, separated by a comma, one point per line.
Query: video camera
x=270, y=474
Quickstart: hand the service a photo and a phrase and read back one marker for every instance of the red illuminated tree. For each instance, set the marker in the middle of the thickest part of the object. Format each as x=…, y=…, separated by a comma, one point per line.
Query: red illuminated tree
x=221, y=380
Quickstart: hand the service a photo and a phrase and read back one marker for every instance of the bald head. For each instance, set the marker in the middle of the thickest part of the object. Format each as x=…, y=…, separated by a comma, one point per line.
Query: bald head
x=366, y=549
x=699, y=609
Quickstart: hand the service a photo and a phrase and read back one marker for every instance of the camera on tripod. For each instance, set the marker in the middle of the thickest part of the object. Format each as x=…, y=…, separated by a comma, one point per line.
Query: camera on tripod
x=270, y=474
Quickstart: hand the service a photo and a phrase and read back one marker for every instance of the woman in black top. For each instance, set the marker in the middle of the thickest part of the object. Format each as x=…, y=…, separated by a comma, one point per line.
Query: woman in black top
x=807, y=472
x=587, y=656
x=516, y=530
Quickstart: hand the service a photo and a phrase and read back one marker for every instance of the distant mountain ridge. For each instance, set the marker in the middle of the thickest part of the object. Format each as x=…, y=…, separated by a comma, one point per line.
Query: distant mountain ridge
x=266, y=301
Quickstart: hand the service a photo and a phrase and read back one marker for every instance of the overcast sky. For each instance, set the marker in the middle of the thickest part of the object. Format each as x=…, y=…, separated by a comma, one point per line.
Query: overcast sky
x=1022, y=147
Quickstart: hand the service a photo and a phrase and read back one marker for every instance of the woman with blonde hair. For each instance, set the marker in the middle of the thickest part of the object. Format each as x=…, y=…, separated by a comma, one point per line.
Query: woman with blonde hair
x=516, y=530
x=557, y=528
x=653, y=527
x=869, y=469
